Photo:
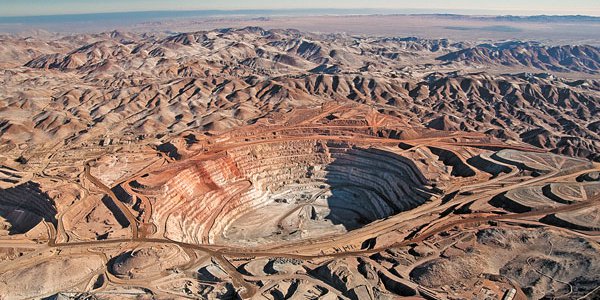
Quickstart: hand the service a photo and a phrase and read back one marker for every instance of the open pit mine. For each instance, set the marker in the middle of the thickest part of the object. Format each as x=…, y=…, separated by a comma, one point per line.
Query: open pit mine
x=255, y=164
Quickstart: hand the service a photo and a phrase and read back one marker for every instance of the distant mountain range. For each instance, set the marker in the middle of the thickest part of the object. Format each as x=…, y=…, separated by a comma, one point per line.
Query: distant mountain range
x=140, y=16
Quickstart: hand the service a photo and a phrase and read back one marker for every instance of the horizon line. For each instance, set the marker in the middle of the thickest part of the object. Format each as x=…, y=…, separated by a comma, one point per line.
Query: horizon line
x=399, y=11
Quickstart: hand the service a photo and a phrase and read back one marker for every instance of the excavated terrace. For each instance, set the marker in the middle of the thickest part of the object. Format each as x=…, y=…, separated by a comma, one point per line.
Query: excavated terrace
x=282, y=190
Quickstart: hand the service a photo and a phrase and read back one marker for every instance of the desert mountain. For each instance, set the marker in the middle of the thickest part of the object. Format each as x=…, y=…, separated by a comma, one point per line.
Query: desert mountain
x=154, y=84
x=579, y=58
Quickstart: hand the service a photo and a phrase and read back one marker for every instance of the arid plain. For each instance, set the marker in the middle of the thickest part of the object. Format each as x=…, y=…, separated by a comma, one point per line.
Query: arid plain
x=283, y=164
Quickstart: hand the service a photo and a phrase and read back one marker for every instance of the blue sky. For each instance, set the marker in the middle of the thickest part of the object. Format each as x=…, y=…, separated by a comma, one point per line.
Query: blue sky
x=49, y=7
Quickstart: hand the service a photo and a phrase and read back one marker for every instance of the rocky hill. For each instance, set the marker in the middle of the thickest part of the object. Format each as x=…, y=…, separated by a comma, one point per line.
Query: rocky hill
x=214, y=80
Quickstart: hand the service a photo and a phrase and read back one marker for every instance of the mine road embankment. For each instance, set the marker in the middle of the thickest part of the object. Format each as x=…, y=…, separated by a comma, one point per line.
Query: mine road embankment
x=124, y=210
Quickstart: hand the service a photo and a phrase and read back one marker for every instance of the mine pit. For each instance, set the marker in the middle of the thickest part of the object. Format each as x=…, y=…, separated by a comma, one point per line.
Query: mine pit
x=147, y=262
x=285, y=190
x=24, y=207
